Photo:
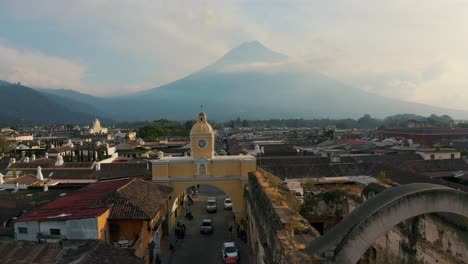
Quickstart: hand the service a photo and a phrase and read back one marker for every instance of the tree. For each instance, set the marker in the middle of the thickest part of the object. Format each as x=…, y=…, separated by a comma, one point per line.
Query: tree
x=5, y=146
x=368, y=122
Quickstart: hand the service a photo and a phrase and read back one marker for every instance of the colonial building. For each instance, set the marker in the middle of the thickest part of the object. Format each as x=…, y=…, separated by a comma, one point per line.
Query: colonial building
x=124, y=212
x=97, y=128
x=228, y=173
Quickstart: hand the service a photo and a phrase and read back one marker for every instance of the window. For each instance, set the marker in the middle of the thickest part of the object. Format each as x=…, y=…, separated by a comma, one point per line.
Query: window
x=452, y=156
x=432, y=156
x=55, y=231
x=22, y=230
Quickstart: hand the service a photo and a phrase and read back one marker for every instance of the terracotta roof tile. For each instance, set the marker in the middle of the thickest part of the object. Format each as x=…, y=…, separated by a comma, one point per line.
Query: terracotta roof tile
x=126, y=198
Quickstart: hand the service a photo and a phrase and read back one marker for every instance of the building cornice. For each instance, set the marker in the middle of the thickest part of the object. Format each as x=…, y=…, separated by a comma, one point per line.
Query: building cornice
x=202, y=179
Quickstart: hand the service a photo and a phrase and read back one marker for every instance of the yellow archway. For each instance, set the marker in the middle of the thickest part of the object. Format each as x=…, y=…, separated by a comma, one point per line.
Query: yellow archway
x=228, y=173
x=233, y=189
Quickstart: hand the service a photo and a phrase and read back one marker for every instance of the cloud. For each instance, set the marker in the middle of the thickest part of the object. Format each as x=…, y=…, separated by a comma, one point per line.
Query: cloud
x=174, y=38
x=411, y=50
x=267, y=67
x=433, y=72
x=36, y=69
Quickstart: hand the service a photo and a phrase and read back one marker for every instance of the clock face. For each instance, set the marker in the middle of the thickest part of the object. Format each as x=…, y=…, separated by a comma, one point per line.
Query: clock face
x=201, y=143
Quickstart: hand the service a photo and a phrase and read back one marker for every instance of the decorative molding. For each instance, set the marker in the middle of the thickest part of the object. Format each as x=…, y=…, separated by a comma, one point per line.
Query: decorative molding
x=202, y=179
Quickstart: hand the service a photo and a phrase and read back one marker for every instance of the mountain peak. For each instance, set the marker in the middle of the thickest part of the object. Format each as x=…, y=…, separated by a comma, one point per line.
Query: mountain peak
x=251, y=45
x=247, y=52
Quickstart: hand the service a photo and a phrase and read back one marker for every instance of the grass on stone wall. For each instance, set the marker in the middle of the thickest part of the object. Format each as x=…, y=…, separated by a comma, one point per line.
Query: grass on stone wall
x=273, y=181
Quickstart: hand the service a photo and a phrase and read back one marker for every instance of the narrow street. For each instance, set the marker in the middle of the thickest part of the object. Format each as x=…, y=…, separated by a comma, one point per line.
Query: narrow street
x=206, y=248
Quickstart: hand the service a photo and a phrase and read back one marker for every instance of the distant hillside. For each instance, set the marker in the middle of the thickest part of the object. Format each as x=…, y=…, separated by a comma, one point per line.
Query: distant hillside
x=2, y=83
x=24, y=105
x=250, y=82
x=242, y=84
x=76, y=101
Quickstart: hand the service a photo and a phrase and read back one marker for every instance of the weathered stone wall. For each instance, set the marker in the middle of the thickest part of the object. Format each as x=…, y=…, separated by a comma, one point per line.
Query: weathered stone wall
x=427, y=239
x=263, y=222
x=277, y=234
x=328, y=207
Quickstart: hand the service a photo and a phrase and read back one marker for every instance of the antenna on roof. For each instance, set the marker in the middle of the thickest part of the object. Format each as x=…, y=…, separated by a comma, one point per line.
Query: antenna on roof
x=201, y=108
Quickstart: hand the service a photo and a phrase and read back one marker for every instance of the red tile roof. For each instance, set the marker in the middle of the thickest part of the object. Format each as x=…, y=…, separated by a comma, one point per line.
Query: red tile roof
x=130, y=199
x=75, y=206
x=353, y=142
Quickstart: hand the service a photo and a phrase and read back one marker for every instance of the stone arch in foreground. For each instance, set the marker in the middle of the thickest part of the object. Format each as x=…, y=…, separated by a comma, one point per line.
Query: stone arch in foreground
x=349, y=240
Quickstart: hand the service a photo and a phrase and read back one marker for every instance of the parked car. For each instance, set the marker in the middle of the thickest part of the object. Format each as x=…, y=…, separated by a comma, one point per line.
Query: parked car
x=206, y=226
x=227, y=203
x=211, y=205
x=230, y=252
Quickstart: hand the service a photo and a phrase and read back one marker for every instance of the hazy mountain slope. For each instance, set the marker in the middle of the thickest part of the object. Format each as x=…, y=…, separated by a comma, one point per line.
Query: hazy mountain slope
x=116, y=108
x=22, y=104
x=248, y=52
x=76, y=101
x=2, y=83
x=281, y=93
x=250, y=82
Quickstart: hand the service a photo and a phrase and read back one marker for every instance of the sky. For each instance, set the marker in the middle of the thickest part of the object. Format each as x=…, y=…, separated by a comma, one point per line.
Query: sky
x=414, y=50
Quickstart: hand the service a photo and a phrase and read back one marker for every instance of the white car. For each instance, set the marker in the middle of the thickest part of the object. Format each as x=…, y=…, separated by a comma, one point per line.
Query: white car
x=206, y=226
x=227, y=203
x=211, y=205
x=230, y=251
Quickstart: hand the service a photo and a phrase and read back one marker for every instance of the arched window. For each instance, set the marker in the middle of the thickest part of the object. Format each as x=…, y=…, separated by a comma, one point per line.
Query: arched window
x=202, y=169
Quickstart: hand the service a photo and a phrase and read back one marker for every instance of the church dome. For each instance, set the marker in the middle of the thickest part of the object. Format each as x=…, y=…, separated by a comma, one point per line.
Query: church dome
x=201, y=126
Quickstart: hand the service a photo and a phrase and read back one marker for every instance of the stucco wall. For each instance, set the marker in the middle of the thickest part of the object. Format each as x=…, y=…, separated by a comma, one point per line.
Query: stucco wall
x=160, y=170
x=182, y=170
x=82, y=229
x=127, y=230
x=216, y=168
x=44, y=227
x=225, y=169
x=72, y=229
x=103, y=226
x=440, y=155
x=31, y=235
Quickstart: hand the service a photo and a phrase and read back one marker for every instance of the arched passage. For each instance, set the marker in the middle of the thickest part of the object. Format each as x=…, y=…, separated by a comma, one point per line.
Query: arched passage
x=350, y=239
x=232, y=188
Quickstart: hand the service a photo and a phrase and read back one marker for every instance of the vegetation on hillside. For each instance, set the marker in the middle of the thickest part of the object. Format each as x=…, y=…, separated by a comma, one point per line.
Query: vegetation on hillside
x=365, y=122
x=163, y=128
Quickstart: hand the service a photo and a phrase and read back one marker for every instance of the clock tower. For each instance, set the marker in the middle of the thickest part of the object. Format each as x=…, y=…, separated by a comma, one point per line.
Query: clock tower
x=202, y=138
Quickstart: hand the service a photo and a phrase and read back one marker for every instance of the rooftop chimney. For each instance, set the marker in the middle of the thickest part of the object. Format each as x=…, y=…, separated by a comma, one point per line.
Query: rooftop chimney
x=257, y=149
x=46, y=187
x=1, y=179
x=39, y=175
x=98, y=166
x=33, y=157
x=59, y=161
x=46, y=155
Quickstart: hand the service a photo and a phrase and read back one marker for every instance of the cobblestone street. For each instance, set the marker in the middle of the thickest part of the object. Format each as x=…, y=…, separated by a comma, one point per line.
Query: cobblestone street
x=205, y=248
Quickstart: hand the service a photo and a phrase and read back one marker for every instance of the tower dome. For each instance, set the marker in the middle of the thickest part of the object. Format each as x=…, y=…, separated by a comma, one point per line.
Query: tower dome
x=201, y=126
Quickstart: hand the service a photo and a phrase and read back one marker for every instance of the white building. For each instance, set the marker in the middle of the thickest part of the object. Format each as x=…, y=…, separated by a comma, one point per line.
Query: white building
x=439, y=154
x=97, y=128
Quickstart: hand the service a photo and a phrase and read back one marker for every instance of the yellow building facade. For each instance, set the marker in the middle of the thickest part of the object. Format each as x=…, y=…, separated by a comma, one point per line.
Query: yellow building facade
x=203, y=166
